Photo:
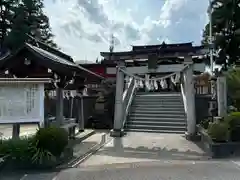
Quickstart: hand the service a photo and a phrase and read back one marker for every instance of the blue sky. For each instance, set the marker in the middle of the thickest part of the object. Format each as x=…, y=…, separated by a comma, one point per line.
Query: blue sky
x=82, y=28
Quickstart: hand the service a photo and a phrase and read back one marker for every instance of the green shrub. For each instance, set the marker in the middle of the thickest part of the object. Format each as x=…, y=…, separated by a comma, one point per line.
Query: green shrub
x=218, y=131
x=233, y=120
x=40, y=156
x=15, y=149
x=205, y=123
x=52, y=139
x=42, y=150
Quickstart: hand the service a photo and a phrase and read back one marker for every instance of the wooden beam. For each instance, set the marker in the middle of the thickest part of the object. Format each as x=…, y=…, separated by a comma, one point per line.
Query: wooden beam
x=161, y=69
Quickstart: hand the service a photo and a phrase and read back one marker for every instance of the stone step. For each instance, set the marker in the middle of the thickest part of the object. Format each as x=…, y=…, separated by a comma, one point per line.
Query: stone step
x=149, y=102
x=155, y=131
x=154, y=127
x=157, y=123
x=160, y=111
x=158, y=99
x=157, y=115
x=183, y=119
x=157, y=94
x=147, y=105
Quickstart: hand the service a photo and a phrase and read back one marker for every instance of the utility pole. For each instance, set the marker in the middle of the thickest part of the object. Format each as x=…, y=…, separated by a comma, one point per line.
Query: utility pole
x=210, y=35
x=111, y=46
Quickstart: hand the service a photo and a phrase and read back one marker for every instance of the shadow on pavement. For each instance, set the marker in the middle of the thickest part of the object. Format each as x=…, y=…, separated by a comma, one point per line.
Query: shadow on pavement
x=156, y=153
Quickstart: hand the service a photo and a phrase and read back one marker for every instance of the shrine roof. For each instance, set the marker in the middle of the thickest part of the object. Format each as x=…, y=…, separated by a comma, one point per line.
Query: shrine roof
x=51, y=49
x=48, y=60
x=160, y=61
x=163, y=45
x=50, y=56
x=162, y=50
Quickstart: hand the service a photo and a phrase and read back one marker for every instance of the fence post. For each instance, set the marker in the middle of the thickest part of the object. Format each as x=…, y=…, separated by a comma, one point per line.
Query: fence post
x=222, y=96
x=80, y=115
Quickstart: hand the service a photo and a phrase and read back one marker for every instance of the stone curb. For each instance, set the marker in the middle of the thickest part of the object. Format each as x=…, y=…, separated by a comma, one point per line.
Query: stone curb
x=88, y=154
x=68, y=164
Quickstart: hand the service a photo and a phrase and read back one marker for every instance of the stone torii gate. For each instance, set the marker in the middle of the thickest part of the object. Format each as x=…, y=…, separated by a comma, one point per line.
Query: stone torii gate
x=164, y=59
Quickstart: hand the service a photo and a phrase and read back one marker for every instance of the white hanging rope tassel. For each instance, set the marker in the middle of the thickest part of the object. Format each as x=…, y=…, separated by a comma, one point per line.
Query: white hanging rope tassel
x=146, y=83
x=164, y=84
x=155, y=85
x=127, y=79
x=141, y=84
x=136, y=82
x=173, y=79
x=177, y=78
x=152, y=85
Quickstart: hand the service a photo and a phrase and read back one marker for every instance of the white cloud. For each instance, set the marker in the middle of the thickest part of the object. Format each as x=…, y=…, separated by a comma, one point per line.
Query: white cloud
x=82, y=28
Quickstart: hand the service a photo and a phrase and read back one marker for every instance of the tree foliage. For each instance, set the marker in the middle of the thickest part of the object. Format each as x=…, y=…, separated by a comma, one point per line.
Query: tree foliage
x=226, y=31
x=22, y=18
x=233, y=84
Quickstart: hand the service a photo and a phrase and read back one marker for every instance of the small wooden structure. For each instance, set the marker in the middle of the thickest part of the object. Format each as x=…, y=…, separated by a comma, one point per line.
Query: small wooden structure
x=203, y=83
x=42, y=61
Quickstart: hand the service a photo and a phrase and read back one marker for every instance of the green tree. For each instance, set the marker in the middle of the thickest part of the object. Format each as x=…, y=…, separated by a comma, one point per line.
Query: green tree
x=226, y=31
x=28, y=19
x=233, y=83
x=5, y=19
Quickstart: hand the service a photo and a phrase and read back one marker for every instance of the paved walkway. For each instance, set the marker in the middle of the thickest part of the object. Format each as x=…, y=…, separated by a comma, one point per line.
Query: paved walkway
x=141, y=156
x=146, y=147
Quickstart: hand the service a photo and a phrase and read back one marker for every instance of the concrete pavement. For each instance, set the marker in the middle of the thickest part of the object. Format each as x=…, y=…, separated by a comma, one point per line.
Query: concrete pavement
x=160, y=170
x=143, y=147
x=144, y=156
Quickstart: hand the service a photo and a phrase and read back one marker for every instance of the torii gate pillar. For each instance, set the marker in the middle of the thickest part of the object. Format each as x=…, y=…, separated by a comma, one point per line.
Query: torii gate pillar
x=191, y=133
x=117, y=130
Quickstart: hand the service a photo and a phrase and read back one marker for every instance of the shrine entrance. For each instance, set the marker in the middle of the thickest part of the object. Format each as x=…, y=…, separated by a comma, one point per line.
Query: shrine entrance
x=158, y=69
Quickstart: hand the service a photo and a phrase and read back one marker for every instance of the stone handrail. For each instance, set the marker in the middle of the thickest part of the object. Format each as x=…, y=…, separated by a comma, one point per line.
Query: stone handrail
x=183, y=91
x=127, y=99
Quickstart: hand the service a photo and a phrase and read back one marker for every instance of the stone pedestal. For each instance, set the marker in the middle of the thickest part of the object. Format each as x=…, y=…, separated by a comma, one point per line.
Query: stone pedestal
x=117, y=133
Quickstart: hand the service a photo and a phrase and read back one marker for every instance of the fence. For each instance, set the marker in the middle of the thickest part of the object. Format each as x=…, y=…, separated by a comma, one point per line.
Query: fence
x=71, y=107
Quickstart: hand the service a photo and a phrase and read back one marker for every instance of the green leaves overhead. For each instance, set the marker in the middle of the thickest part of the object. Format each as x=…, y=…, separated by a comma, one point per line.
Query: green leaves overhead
x=226, y=31
x=19, y=18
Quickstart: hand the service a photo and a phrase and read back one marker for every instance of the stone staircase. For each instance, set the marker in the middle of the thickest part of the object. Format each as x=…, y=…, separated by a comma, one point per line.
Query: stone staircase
x=157, y=112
